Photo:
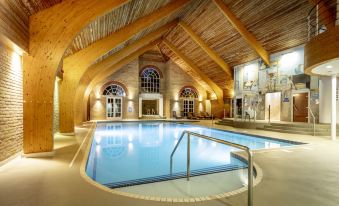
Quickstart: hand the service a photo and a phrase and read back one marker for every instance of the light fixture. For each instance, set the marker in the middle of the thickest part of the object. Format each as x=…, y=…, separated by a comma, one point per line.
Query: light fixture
x=329, y=67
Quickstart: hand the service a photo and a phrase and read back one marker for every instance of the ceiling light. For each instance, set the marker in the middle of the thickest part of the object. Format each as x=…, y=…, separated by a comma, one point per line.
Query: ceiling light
x=329, y=67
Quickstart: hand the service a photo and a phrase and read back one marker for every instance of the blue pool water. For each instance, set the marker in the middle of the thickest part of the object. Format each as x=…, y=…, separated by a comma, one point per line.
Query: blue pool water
x=132, y=153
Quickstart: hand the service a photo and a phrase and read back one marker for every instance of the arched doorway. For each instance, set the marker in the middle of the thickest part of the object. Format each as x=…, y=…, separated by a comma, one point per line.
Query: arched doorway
x=188, y=95
x=114, y=94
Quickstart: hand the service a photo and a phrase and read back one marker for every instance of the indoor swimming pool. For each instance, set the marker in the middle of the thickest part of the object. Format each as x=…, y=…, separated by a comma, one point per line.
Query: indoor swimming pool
x=134, y=153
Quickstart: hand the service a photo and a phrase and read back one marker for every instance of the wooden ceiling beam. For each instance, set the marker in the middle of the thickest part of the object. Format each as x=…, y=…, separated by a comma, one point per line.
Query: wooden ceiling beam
x=114, y=58
x=88, y=55
x=84, y=89
x=217, y=90
x=203, y=45
x=240, y=27
x=75, y=66
x=101, y=67
x=51, y=31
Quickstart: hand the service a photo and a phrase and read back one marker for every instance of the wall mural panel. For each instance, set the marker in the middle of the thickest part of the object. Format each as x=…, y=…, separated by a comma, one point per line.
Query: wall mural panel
x=255, y=79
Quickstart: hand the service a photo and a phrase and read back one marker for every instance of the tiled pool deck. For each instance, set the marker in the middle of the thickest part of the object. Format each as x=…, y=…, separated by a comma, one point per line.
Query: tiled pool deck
x=303, y=175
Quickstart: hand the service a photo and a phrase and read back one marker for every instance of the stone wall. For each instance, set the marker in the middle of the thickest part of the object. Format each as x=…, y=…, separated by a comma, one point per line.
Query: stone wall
x=11, y=103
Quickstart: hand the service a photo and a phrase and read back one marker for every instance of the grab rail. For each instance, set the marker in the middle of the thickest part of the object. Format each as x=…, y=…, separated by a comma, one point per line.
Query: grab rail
x=242, y=147
x=313, y=117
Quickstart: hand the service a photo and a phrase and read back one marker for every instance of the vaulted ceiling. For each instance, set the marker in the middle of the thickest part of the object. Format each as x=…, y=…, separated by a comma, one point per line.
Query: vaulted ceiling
x=276, y=24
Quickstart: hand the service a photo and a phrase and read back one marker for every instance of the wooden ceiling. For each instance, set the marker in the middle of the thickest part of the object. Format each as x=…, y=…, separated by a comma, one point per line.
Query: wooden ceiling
x=276, y=24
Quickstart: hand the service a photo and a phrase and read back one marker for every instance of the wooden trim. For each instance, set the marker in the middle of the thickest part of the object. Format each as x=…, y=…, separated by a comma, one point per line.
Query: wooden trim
x=217, y=90
x=240, y=27
x=203, y=45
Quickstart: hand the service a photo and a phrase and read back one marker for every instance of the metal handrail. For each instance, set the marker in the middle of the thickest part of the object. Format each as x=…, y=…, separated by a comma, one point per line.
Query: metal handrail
x=323, y=15
x=313, y=117
x=242, y=147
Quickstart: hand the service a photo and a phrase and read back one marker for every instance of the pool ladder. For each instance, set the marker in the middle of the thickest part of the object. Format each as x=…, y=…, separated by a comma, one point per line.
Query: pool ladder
x=242, y=147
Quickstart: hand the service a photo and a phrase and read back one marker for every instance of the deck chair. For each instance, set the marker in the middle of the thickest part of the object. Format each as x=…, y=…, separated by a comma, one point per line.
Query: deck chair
x=176, y=116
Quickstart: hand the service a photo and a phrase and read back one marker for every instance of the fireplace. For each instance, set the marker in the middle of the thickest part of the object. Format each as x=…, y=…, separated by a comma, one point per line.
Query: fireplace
x=150, y=105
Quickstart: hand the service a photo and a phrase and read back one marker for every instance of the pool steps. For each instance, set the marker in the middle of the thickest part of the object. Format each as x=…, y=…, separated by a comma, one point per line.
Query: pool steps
x=211, y=170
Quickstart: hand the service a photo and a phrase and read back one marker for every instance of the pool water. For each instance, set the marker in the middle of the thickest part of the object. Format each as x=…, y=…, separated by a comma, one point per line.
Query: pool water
x=133, y=153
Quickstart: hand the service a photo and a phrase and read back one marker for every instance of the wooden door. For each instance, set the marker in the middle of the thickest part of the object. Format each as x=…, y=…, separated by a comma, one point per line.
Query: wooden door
x=300, y=104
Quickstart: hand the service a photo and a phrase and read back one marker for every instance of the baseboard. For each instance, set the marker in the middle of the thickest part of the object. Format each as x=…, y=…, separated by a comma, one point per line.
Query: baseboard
x=39, y=154
x=3, y=162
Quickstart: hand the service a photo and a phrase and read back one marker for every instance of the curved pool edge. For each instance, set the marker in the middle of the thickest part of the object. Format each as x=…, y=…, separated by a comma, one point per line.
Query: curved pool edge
x=83, y=174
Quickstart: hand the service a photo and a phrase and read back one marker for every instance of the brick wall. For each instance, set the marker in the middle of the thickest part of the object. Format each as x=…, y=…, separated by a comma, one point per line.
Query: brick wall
x=174, y=79
x=56, y=113
x=129, y=77
x=11, y=103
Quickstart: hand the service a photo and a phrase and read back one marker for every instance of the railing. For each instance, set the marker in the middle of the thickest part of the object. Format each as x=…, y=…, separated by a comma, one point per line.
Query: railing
x=313, y=117
x=323, y=16
x=248, y=151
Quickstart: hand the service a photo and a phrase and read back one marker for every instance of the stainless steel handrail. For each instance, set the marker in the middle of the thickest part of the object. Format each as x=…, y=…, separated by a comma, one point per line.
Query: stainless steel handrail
x=242, y=147
x=313, y=117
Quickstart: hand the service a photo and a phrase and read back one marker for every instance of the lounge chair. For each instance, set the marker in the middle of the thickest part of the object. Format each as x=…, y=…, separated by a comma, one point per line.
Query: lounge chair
x=207, y=116
x=176, y=116
x=201, y=115
x=190, y=115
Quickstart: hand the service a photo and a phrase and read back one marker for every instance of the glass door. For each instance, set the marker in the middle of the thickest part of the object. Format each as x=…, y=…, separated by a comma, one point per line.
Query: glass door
x=113, y=107
x=188, y=107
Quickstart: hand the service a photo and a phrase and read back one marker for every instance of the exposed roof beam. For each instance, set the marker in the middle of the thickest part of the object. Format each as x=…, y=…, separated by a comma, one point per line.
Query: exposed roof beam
x=51, y=31
x=86, y=85
x=89, y=54
x=203, y=45
x=128, y=50
x=162, y=54
x=111, y=70
x=75, y=65
x=239, y=26
x=217, y=90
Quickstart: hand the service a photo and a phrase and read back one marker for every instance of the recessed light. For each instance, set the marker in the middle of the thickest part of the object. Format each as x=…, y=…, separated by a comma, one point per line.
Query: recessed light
x=329, y=67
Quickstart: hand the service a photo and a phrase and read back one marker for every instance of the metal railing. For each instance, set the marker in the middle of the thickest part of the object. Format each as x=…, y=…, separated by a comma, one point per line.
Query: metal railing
x=324, y=15
x=242, y=147
x=313, y=117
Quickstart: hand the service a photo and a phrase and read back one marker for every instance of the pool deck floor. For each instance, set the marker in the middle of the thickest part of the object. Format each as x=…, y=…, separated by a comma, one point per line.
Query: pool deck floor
x=306, y=175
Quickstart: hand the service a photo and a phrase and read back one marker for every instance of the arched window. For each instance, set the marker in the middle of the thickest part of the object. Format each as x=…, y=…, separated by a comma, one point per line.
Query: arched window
x=150, y=80
x=188, y=93
x=114, y=90
x=187, y=96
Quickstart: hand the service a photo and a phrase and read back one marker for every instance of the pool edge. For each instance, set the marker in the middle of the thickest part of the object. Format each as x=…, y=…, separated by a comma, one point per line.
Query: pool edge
x=84, y=175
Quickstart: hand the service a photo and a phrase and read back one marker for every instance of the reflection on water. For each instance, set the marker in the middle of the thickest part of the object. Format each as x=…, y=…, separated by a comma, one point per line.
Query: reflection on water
x=128, y=151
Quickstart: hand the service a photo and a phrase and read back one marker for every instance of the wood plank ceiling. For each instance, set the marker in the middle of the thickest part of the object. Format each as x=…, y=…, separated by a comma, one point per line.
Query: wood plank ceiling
x=276, y=24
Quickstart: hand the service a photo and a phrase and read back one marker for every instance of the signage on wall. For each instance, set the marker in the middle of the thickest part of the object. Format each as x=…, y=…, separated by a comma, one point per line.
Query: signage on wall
x=130, y=109
x=286, y=99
